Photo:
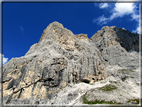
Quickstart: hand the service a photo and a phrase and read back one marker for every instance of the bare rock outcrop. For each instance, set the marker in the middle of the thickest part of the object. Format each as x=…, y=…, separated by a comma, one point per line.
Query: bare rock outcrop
x=82, y=37
x=61, y=58
x=58, y=59
x=118, y=46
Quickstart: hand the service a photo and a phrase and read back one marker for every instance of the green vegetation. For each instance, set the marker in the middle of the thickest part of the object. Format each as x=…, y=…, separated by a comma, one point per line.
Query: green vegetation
x=131, y=70
x=139, y=83
x=126, y=70
x=108, y=87
x=85, y=101
x=116, y=82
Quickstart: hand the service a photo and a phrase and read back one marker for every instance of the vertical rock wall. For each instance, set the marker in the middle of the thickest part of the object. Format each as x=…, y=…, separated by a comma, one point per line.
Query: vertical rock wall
x=61, y=58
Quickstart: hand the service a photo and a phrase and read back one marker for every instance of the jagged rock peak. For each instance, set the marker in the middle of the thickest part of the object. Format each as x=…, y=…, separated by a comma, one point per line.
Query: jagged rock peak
x=114, y=36
x=57, y=33
x=52, y=26
x=58, y=59
x=61, y=58
x=82, y=36
x=58, y=29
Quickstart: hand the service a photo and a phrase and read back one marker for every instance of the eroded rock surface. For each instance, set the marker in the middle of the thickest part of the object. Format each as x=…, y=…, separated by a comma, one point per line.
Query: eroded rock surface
x=61, y=58
x=118, y=46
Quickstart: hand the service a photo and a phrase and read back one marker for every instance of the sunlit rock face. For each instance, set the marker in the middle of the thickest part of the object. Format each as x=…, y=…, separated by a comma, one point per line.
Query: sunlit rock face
x=61, y=58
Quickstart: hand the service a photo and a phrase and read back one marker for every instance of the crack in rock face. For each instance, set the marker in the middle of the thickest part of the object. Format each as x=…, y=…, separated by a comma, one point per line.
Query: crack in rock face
x=61, y=58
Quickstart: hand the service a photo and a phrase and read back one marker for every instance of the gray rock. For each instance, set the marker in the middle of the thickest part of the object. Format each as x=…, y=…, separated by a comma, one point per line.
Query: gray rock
x=58, y=59
x=116, y=46
x=61, y=58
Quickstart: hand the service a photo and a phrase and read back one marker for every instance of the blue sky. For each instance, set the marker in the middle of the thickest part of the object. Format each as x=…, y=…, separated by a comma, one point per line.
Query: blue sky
x=23, y=23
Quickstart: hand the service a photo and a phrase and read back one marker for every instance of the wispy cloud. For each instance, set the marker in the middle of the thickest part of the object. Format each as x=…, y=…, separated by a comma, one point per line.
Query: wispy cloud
x=119, y=10
x=102, y=5
x=4, y=59
x=101, y=20
x=22, y=30
x=137, y=30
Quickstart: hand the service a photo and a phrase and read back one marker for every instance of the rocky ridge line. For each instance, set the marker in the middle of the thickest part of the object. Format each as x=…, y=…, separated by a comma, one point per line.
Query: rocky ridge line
x=61, y=58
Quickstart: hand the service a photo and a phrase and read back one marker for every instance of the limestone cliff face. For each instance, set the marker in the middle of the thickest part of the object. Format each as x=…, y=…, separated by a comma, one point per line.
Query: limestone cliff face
x=116, y=44
x=61, y=58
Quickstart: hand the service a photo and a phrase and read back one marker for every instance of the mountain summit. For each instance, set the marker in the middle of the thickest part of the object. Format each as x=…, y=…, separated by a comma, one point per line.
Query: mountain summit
x=62, y=59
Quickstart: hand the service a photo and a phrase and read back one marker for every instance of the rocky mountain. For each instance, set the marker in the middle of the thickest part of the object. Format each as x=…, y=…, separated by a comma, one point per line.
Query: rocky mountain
x=68, y=69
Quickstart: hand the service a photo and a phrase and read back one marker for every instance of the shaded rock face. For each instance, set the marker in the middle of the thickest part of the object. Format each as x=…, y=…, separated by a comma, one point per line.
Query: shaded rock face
x=114, y=36
x=61, y=58
x=116, y=44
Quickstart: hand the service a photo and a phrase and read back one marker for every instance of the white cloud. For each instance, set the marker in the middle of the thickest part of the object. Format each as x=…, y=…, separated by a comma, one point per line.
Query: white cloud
x=124, y=8
x=137, y=30
x=4, y=59
x=21, y=28
x=101, y=20
x=103, y=5
x=120, y=10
